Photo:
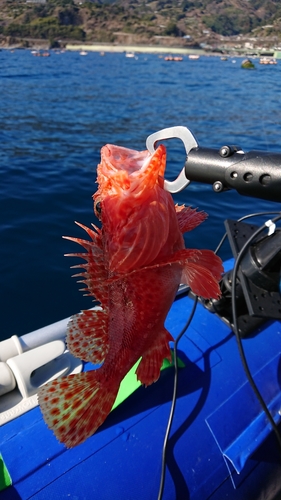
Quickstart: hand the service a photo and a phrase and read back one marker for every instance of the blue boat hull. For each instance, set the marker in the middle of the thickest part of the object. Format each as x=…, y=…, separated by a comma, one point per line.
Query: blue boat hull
x=221, y=445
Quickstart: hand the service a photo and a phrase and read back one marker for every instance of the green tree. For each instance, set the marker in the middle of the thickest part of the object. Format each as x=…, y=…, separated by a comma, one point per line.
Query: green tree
x=172, y=29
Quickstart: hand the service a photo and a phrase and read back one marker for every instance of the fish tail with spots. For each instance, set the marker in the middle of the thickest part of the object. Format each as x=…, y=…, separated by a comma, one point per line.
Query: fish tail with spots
x=75, y=406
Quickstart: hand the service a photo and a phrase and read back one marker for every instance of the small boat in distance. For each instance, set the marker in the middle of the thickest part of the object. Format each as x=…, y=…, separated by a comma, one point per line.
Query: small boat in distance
x=83, y=53
x=247, y=64
x=130, y=54
x=194, y=57
x=38, y=53
x=175, y=58
x=268, y=60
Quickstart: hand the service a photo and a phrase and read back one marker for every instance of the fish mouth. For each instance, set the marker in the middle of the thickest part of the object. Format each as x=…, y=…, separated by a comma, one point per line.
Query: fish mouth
x=126, y=174
x=120, y=158
x=126, y=171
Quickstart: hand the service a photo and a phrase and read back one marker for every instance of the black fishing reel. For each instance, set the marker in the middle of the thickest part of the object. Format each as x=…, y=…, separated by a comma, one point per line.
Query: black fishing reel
x=257, y=287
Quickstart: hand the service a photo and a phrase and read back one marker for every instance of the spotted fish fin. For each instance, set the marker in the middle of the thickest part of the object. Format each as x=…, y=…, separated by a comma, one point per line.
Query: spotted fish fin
x=189, y=218
x=75, y=406
x=87, y=335
x=95, y=270
x=148, y=370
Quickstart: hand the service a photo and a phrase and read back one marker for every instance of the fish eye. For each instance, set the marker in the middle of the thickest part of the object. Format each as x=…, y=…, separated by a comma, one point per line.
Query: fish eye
x=98, y=207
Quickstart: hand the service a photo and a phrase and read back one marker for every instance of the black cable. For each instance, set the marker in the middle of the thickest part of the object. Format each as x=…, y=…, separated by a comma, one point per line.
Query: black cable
x=174, y=398
x=257, y=214
x=237, y=333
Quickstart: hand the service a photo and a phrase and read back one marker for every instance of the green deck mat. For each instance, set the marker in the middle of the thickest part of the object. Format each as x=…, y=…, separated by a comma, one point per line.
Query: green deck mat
x=130, y=383
x=5, y=478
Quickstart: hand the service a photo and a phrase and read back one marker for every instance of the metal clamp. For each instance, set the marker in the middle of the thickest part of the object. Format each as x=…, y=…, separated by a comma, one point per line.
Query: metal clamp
x=189, y=142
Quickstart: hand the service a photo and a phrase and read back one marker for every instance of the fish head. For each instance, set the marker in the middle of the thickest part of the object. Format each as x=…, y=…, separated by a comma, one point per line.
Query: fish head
x=138, y=216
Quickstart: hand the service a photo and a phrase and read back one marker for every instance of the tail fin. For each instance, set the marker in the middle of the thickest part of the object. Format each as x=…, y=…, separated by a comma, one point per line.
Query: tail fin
x=75, y=406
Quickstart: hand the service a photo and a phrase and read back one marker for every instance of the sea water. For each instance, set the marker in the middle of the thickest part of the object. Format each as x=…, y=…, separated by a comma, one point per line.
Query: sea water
x=57, y=112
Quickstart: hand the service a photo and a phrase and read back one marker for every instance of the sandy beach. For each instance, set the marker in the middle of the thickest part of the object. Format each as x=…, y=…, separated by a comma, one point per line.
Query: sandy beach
x=147, y=49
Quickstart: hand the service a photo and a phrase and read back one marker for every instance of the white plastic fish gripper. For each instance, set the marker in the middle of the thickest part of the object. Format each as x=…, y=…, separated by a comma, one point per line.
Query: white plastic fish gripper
x=189, y=142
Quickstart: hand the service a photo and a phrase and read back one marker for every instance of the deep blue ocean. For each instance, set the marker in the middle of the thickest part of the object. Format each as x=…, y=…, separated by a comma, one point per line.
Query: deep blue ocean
x=57, y=112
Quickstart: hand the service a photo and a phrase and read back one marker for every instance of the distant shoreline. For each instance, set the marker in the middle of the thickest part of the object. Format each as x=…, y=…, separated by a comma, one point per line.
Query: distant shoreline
x=145, y=49
x=106, y=47
x=148, y=49
x=112, y=48
x=157, y=49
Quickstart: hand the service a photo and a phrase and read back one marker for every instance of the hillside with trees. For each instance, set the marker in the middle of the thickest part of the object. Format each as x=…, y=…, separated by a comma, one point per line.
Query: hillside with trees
x=177, y=22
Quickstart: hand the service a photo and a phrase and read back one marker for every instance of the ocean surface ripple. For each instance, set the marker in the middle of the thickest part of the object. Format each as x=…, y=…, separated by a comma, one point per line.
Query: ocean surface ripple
x=57, y=112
